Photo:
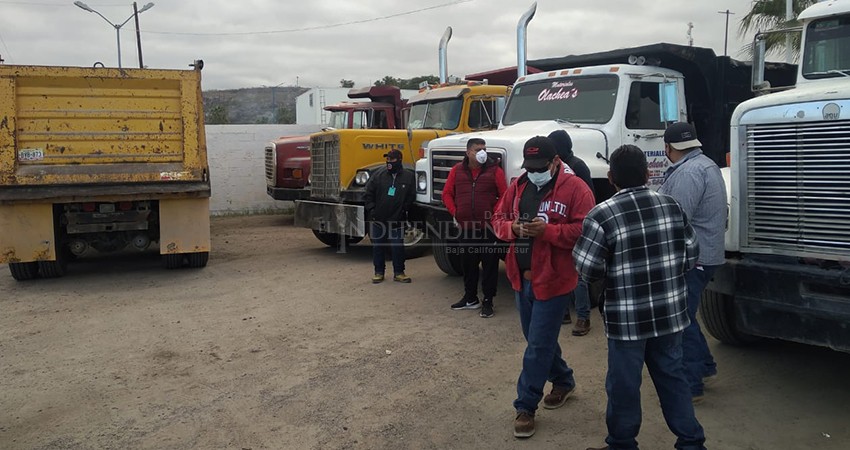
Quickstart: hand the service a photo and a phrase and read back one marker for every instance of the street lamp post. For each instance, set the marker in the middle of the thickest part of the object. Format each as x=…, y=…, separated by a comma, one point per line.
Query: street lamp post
x=85, y=7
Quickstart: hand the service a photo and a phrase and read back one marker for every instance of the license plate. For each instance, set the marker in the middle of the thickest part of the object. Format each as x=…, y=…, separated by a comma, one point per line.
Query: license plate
x=30, y=154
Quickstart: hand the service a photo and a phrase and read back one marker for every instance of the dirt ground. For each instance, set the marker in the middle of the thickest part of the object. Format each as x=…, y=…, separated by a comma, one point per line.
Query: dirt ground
x=281, y=343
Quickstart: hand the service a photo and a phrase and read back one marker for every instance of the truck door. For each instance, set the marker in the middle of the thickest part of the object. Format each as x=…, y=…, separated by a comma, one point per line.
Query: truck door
x=652, y=103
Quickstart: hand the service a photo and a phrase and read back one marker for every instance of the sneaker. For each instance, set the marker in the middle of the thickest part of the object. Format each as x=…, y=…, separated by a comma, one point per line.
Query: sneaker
x=487, y=309
x=523, y=425
x=582, y=327
x=402, y=278
x=377, y=278
x=466, y=304
x=557, y=397
x=567, y=319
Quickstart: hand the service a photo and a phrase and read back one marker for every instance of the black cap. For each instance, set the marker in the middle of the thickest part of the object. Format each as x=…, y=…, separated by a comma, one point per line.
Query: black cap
x=394, y=154
x=537, y=153
x=681, y=136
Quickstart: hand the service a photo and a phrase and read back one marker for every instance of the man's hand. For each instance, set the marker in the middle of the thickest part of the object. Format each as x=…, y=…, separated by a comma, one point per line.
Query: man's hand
x=534, y=228
x=516, y=227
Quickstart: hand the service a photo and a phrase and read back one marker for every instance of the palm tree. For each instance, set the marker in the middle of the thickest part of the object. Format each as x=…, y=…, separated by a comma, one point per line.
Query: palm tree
x=770, y=15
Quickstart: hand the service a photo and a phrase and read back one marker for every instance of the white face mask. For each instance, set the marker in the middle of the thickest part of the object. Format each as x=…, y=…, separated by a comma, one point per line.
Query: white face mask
x=481, y=156
x=540, y=178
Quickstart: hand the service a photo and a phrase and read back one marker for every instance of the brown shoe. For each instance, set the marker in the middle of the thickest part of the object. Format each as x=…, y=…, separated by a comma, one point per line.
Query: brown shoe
x=557, y=397
x=523, y=425
x=582, y=327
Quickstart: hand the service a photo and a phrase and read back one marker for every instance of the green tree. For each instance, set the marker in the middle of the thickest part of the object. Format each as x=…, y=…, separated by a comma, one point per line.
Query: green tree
x=218, y=115
x=285, y=114
x=346, y=83
x=770, y=15
x=407, y=83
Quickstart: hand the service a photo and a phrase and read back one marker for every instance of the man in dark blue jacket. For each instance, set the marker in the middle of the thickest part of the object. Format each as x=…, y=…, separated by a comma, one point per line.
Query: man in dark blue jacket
x=389, y=195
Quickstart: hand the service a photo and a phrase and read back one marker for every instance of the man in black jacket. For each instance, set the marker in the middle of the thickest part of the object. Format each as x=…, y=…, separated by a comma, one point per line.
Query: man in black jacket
x=581, y=295
x=389, y=194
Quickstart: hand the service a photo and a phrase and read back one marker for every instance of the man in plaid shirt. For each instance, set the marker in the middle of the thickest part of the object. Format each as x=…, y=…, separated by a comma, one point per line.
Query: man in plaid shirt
x=641, y=244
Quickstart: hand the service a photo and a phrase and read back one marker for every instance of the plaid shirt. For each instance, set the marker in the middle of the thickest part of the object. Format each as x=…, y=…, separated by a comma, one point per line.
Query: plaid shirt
x=641, y=244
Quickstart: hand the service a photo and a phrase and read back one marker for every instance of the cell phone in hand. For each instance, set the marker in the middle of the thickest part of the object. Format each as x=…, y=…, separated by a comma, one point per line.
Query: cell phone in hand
x=524, y=220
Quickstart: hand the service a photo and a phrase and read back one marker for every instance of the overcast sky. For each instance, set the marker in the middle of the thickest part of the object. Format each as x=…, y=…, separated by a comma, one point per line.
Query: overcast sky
x=249, y=43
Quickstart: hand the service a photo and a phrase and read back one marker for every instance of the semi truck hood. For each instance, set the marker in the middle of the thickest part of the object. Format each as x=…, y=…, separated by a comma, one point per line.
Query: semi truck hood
x=587, y=142
x=789, y=102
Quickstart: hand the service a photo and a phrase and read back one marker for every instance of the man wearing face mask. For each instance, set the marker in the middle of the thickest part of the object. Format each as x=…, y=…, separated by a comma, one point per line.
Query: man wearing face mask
x=389, y=194
x=541, y=215
x=472, y=190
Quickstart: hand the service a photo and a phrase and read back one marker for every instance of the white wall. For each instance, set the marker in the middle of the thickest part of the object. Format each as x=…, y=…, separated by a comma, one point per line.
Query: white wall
x=237, y=166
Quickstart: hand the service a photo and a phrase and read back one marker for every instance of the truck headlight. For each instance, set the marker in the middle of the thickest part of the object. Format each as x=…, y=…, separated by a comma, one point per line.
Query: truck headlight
x=361, y=178
x=421, y=182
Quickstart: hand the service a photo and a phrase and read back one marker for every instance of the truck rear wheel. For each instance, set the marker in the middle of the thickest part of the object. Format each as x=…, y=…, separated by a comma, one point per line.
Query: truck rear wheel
x=198, y=259
x=447, y=260
x=718, y=316
x=24, y=271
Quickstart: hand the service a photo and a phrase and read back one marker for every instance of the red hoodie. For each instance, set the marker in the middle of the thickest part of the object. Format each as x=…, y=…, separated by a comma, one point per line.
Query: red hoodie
x=564, y=207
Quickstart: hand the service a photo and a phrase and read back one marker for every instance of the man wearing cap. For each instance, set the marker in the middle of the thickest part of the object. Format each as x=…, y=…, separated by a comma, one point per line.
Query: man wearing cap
x=472, y=190
x=694, y=180
x=389, y=194
x=581, y=295
x=541, y=215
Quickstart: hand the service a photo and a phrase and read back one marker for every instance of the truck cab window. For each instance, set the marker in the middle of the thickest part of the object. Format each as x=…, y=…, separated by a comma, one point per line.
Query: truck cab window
x=379, y=119
x=827, y=49
x=482, y=114
x=338, y=119
x=359, y=119
x=643, y=111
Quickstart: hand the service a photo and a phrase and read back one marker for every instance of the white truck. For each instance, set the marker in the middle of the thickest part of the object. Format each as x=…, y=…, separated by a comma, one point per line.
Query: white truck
x=787, y=274
x=603, y=100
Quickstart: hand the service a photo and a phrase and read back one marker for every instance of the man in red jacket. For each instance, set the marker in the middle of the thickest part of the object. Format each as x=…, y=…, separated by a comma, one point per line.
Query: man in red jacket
x=541, y=215
x=472, y=190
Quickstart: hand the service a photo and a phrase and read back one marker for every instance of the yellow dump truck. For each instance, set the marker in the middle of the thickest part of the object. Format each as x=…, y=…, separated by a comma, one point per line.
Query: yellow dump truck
x=344, y=160
x=97, y=159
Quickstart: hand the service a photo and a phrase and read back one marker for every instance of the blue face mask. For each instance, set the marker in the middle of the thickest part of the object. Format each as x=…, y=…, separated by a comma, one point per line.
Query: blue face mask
x=540, y=178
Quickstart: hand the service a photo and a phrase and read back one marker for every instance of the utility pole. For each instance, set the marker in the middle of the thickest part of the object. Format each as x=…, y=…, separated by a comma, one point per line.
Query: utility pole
x=138, y=35
x=726, y=39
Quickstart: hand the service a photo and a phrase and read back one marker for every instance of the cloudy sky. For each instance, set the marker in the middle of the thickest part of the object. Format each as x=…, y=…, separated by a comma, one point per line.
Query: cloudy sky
x=248, y=43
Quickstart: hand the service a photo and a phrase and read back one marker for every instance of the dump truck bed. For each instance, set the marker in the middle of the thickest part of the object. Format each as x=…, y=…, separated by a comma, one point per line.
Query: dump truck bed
x=71, y=132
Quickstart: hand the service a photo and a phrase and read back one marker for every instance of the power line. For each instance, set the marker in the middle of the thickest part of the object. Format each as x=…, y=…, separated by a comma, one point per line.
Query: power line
x=319, y=27
x=64, y=3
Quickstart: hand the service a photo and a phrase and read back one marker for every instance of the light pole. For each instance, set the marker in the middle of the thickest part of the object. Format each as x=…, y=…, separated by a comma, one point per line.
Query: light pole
x=85, y=7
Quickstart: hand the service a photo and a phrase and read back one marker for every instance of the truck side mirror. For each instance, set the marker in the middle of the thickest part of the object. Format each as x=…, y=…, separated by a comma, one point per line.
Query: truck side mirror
x=668, y=95
x=758, y=63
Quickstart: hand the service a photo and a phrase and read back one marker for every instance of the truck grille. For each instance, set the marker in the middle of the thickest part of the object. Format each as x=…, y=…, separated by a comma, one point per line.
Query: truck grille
x=798, y=188
x=442, y=162
x=324, y=156
x=271, y=164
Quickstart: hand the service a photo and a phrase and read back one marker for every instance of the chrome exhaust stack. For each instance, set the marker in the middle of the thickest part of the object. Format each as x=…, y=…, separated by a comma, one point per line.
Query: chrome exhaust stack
x=443, y=56
x=522, y=40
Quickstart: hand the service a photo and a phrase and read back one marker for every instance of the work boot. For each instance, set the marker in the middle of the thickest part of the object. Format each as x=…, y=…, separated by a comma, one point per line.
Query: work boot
x=377, y=278
x=523, y=425
x=402, y=278
x=582, y=327
x=557, y=397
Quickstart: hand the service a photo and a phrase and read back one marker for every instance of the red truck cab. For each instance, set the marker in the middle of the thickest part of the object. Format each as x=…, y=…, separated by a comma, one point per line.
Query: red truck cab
x=288, y=157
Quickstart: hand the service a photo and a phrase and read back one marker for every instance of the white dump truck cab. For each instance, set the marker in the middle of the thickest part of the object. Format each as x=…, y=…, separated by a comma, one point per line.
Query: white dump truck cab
x=788, y=247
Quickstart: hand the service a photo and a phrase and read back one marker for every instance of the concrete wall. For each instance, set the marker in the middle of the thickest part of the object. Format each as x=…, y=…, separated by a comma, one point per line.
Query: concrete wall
x=237, y=166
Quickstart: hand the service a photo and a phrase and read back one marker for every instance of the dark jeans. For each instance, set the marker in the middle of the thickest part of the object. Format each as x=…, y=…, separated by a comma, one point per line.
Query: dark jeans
x=663, y=358
x=483, y=252
x=581, y=297
x=382, y=236
x=696, y=356
x=542, y=361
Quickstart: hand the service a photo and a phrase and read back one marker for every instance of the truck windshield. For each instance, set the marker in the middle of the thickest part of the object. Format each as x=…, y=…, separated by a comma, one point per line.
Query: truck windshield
x=338, y=119
x=437, y=115
x=827, y=49
x=589, y=99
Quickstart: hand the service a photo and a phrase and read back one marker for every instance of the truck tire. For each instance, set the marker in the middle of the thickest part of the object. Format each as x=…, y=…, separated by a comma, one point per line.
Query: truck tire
x=198, y=259
x=173, y=260
x=448, y=261
x=415, y=242
x=24, y=271
x=718, y=317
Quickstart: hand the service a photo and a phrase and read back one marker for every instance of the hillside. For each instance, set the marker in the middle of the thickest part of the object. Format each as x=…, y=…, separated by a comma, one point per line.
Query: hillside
x=251, y=105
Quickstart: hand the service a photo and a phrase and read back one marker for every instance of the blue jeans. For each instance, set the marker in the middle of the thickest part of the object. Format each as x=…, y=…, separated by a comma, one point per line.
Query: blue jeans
x=581, y=297
x=697, y=357
x=382, y=236
x=542, y=361
x=663, y=358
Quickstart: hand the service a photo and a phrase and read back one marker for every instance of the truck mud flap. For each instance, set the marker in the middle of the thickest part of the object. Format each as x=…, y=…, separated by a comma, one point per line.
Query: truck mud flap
x=338, y=218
